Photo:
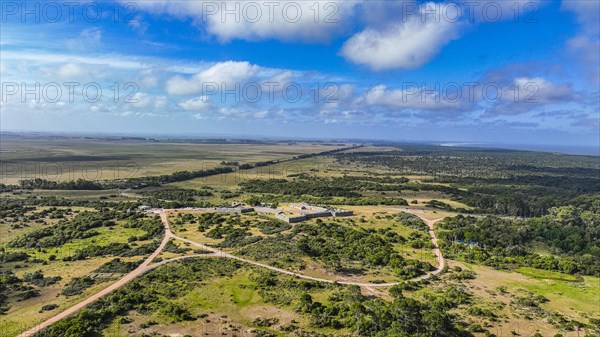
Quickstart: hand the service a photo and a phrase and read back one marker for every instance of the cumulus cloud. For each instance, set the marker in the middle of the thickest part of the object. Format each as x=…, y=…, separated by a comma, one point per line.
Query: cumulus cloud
x=195, y=104
x=148, y=79
x=142, y=100
x=538, y=89
x=585, y=46
x=406, y=44
x=527, y=94
x=338, y=97
x=257, y=20
x=261, y=114
x=228, y=72
x=70, y=70
x=413, y=97
x=587, y=13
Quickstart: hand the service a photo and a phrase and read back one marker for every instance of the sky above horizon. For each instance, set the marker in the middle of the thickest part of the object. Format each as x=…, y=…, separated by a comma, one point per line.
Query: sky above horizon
x=464, y=71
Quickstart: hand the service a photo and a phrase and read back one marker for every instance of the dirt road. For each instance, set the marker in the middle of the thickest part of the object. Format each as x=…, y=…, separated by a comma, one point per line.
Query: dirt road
x=126, y=279
x=147, y=266
x=430, y=223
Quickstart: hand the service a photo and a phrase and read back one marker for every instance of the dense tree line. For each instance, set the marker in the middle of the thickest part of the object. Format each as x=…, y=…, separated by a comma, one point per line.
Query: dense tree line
x=275, y=199
x=249, y=166
x=318, y=187
x=44, y=184
x=302, y=184
x=177, y=194
x=23, y=204
x=570, y=233
x=506, y=182
x=150, y=181
x=167, y=178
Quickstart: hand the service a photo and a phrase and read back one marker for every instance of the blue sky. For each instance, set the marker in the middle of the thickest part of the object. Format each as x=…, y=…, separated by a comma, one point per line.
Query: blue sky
x=476, y=71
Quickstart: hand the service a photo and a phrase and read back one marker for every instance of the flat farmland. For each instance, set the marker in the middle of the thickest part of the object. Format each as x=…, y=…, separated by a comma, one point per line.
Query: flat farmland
x=93, y=159
x=316, y=166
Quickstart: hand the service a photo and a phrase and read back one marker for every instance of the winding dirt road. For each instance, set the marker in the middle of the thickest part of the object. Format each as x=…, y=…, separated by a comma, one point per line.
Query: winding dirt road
x=142, y=268
x=430, y=223
x=147, y=266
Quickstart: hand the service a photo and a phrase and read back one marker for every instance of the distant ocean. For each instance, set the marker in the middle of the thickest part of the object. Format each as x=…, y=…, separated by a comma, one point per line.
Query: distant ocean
x=567, y=149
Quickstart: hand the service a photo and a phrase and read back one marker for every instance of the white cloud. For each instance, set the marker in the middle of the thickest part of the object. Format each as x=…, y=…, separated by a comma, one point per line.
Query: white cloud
x=409, y=98
x=257, y=20
x=261, y=114
x=70, y=71
x=88, y=39
x=585, y=47
x=229, y=72
x=140, y=100
x=195, y=104
x=406, y=45
x=527, y=94
x=230, y=112
x=148, y=80
x=282, y=77
x=290, y=20
x=338, y=96
x=587, y=13
x=114, y=61
x=160, y=102
x=540, y=90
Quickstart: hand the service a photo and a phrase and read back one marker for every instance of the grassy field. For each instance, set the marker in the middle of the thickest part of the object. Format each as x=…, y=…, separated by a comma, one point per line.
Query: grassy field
x=93, y=159
x=106, y=236
x=227, y=306
x=23, y=315
x=317, y=166
x=547, y=275
x=578, y=301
